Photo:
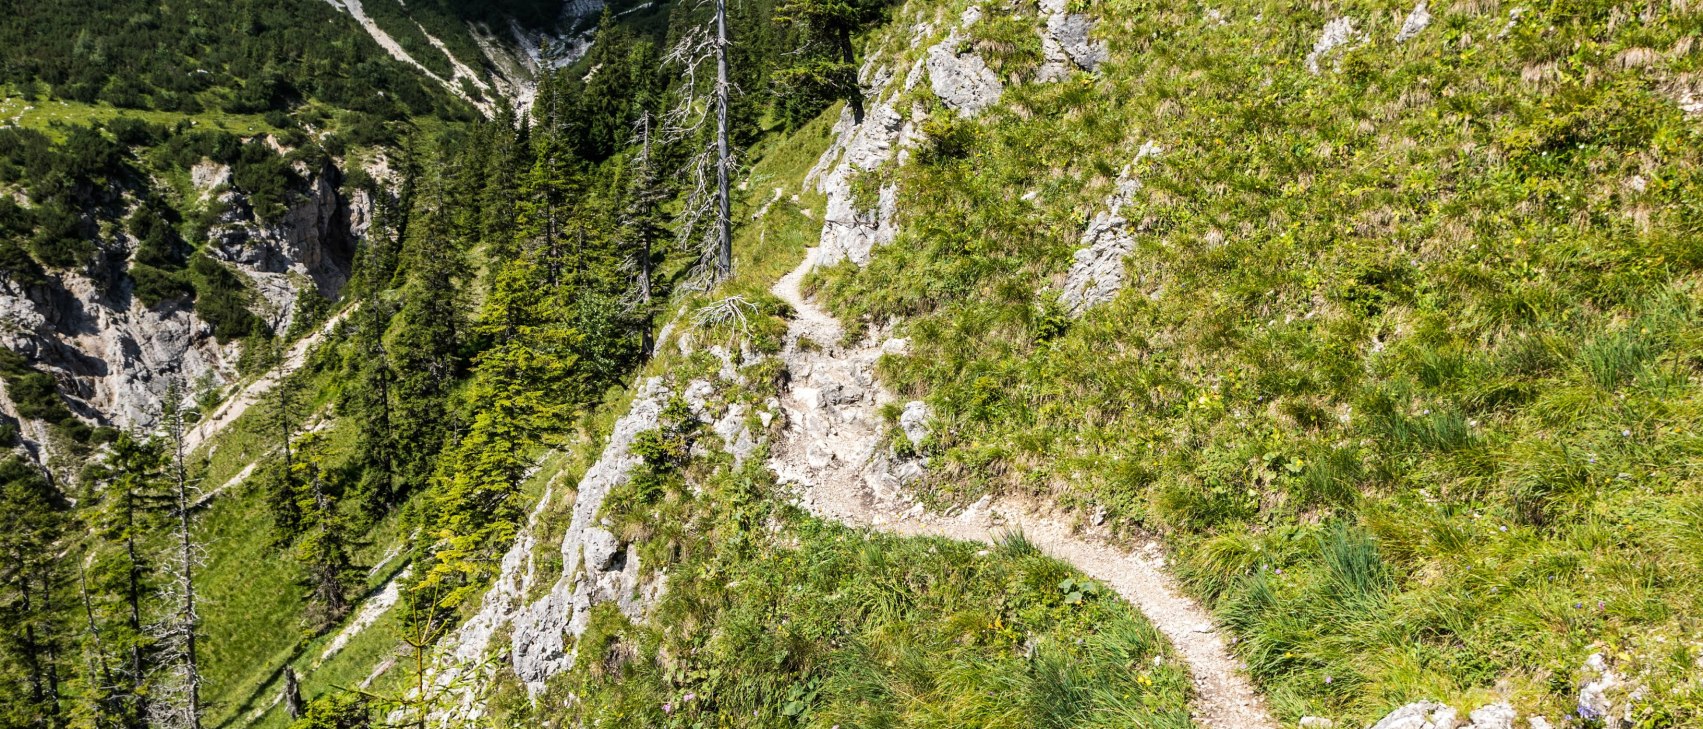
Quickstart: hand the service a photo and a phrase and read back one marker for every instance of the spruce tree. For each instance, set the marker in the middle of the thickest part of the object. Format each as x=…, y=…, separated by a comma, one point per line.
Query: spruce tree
x=32, y=525
x=133, y=491
x=642, y=226
x=425, y=339
x=824, y=65
x=323, y=549
x=521, y=386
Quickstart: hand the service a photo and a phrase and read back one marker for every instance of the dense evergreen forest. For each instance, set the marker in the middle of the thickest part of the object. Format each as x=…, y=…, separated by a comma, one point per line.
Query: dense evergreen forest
x=245, y=56
x=513, y=273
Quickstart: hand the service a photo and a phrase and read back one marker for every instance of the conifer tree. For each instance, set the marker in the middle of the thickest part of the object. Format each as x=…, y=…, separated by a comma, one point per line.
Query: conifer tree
x=824, y=66
x=132, y=493
x=323, y=549
x=641, y=225
x=521, y=385
x=286, y=514
x=425, y=339
x=32, y=524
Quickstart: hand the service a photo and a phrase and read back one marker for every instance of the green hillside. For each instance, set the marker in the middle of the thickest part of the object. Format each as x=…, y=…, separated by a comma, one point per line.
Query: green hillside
x=1405, y=369
x=1375, y=327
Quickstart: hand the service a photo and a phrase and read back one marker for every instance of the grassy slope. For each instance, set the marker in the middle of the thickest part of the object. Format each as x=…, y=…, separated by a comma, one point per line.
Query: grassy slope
x=772, y=617
x=44, y=114
x=252, y=605
x=1408, y=368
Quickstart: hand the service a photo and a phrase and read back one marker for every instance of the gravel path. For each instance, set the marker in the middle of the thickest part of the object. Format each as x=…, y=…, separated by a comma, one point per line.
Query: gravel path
x=832, y=450
x=234, y=406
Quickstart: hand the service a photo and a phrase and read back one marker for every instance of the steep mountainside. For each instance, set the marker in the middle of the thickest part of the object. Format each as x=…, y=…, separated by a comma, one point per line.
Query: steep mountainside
x=1100, y=363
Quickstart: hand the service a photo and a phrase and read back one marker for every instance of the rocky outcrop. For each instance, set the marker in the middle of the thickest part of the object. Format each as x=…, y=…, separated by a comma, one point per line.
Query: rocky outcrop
x=114, y=357
x=960, y=78
x=913, y=421
x=597, y=569
x=1605, y=698
x=313, y=242
x=848, y=232
x=1066, y=43
x=1435, y=715
x=1097, y=271
x=1337, y=34
x=1415, y=23
x=605, y=572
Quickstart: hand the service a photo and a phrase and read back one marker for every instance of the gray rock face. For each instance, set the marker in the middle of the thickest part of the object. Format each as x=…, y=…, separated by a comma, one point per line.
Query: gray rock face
x=735, y=436
x=1419, y=715
x=1433, y=715
x=1097, y=271
x=312, y=243
x=847, y=232
x=1605, y=695
x=114, y=357
x=1336, y=34
x=606, y=572
x=963, y=81
x=1415, y=23
x=850, y=233
x=1065, y=42
x=1494, y=716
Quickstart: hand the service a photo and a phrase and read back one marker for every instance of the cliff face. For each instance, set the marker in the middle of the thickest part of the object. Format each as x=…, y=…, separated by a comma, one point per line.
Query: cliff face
x=114, y=357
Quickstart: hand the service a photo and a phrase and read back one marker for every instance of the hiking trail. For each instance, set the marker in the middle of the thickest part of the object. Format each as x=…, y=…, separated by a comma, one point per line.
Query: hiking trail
x=834, y=452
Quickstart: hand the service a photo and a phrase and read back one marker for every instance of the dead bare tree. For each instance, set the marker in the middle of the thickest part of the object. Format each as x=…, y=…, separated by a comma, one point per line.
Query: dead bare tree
x=724, y=213
x=176, y=702
x=706, y=218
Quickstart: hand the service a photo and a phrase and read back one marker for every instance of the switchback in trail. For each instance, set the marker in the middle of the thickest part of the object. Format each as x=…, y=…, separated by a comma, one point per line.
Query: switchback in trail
x=834, y=452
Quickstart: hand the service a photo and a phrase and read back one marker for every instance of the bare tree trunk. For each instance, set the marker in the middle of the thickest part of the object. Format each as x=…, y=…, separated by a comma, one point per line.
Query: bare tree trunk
x=847, y=56
x=647, y=343
x=724, y=209
x=292, y=693
x=190, y=621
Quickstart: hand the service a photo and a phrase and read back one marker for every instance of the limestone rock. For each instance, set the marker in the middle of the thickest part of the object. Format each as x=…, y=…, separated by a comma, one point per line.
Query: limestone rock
x=1316, y=722
x=1419, y=715
x=1065, y=42
x=114, y=357
x=207, y=175
x=1416, y=22
x=609, y=574
x=600, y=549
x=963, y=81
x=914, y=421
x=1097, y=270
x=1336, y=34
x=1605, y=695
x=735, y=436
x=1493, y=716
x=847, y=232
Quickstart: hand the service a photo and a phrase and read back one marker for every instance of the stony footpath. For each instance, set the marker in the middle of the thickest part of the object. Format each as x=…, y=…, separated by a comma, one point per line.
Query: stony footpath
x=834, y=452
